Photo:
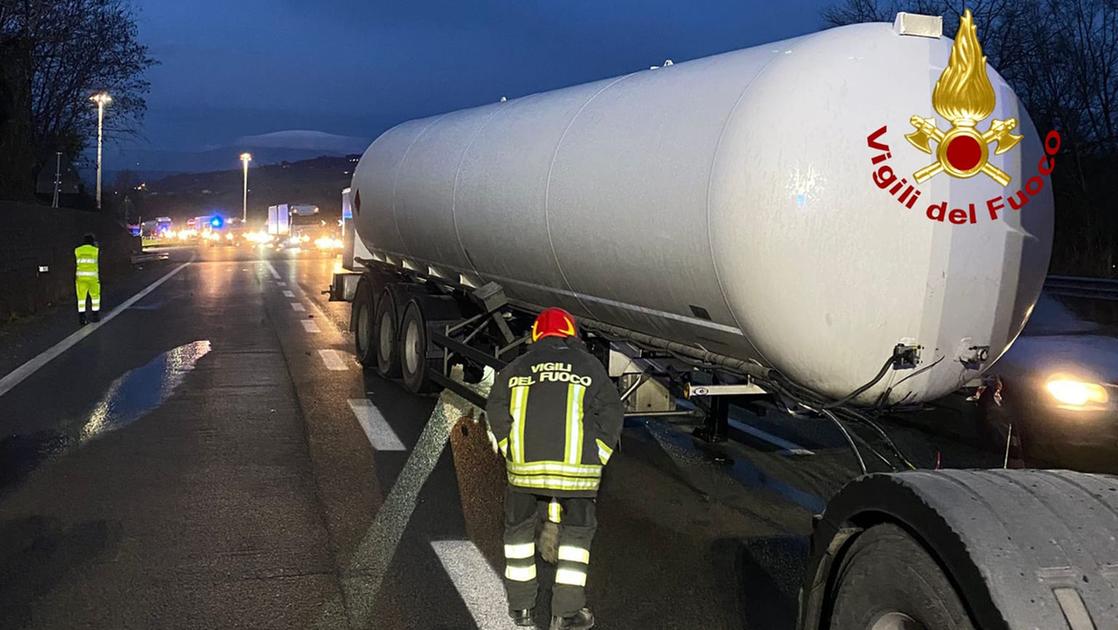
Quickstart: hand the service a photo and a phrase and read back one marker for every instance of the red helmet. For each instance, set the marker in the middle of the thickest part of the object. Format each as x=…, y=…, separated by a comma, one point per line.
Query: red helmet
x=553, y=322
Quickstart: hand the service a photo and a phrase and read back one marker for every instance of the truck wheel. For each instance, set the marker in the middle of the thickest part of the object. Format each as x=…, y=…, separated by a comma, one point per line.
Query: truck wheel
x=887, y=581
x=388, y=357
x=364, y=330
x=417, y=358
x=413, y=349
x=1019, y=549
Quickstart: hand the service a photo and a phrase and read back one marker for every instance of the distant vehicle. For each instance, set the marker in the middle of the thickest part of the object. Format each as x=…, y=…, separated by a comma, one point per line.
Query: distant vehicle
x=156, y=228
x=279, y=219
x=1058, y=389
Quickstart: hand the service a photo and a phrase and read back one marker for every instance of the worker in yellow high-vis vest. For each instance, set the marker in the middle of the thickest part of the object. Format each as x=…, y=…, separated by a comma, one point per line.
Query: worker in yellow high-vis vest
x=87, y=279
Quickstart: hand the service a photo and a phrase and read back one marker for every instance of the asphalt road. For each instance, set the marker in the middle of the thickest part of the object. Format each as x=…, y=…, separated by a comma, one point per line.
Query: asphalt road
x=211, y=456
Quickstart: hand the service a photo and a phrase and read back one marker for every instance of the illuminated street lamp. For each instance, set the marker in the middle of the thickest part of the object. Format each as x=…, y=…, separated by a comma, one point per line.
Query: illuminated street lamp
x=102, y=99
x=245, y=159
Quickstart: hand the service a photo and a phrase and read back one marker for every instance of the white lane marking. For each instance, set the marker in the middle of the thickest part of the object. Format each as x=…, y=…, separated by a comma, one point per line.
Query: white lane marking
x=764, y=436
x=376, y=428
x=298, y=308
x=16, y=376
x=288, y=294
x=313, y=304
x=333, y=360
x=310, y=326
x=477, y=583
x=368, y=565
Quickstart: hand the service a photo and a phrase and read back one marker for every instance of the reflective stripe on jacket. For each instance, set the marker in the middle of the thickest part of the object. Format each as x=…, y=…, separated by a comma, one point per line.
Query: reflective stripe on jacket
x=86, y=256
x=557, y=418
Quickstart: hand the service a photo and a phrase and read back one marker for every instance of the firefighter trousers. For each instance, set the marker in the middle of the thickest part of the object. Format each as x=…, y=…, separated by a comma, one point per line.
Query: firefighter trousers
x=92, y=288
x=577, y=524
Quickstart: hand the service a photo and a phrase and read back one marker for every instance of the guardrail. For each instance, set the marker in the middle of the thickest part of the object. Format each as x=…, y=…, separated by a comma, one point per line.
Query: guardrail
x=1072, y=286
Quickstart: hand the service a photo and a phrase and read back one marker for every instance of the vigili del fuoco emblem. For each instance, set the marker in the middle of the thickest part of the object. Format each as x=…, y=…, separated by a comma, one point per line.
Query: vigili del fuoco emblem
x=965, y=97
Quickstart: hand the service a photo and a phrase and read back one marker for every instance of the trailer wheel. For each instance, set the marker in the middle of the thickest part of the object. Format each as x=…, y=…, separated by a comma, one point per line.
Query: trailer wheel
x=387, y=348
x=364, y=330
x=414, y=365
x=417, y=358
x=887, y=581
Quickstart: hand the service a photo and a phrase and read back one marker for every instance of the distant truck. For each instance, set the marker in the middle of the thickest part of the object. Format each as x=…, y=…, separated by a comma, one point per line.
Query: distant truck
x=734, y=228
x=156, y=228
x=292, y=219
x=279, y=220
x=280, y=216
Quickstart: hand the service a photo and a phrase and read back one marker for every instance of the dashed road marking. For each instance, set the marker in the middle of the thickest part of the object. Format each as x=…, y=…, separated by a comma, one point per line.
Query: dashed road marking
x=310, y=325
x=275, y=274
x=298, y=308
x=376, y=428
x=333, y=360
x=16, y=376
x=477, y=583
x=288, y=294
x=281, y=283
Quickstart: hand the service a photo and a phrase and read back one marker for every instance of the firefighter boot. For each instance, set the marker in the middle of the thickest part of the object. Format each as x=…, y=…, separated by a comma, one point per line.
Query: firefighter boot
x=581, y=620
x=96, y=316
x=522, y=617
x=82, y=321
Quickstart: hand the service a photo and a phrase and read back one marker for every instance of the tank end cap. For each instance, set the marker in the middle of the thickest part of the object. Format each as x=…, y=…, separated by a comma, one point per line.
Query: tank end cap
x=916, y=25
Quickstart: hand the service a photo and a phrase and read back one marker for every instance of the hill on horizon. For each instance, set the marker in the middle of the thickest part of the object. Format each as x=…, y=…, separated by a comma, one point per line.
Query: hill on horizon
x=317, y=181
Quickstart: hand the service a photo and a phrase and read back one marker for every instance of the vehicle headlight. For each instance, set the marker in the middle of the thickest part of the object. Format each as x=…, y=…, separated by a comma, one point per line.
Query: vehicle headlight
x=1076, y=393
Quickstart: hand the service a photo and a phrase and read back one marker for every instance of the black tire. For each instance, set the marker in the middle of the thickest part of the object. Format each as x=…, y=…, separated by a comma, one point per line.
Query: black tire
x=418, y=360
x=387, y=326
x=887, y=581
x=414, y=365
x=363, y=318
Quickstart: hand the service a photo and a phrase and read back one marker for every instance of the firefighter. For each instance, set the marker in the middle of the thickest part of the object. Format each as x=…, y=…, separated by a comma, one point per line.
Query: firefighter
x=556, y=418
x=87, y=279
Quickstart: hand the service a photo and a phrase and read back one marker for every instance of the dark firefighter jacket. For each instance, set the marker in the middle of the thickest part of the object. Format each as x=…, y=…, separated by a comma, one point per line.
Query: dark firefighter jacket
x=557, y=418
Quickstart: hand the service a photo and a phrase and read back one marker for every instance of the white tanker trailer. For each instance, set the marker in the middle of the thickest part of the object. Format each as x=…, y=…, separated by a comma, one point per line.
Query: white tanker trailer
x=792, y=220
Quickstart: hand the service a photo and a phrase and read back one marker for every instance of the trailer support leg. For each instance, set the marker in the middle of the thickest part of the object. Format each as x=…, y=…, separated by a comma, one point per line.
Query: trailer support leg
x=716, y=424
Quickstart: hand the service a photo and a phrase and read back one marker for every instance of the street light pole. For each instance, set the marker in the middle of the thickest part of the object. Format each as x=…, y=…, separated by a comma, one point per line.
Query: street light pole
x=102, y=99
x=245, y=159
x=57, y=177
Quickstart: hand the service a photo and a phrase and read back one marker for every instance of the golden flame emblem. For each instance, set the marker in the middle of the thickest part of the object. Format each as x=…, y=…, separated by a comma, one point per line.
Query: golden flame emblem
x=965, y=97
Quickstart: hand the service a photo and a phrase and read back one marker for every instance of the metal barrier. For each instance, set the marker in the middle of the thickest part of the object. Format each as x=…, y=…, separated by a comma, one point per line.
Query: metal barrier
x=1072, y=286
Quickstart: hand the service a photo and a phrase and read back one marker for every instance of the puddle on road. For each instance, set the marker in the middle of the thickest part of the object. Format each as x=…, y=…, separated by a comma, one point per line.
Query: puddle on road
x=129, y=398
x=139, y=391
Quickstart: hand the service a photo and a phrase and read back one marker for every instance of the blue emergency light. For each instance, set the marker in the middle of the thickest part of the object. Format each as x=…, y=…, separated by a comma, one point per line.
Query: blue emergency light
x=217, y=221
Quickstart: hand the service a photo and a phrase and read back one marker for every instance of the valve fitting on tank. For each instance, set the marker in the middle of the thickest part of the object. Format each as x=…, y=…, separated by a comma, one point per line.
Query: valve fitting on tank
x=906, y=357
x=972, y=357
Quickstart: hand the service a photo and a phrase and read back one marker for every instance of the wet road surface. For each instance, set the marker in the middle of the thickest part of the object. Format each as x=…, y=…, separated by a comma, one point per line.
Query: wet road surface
x=214, y=457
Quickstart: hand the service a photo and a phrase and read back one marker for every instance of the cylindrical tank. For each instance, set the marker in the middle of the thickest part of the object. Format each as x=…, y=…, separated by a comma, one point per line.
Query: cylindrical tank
x=730, y=203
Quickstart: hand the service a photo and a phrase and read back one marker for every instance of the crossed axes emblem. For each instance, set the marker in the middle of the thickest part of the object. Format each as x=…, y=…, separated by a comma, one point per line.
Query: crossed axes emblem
x=963, y=162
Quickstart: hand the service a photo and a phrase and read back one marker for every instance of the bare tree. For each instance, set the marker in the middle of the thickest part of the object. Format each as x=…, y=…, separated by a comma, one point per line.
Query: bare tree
x=77, y=47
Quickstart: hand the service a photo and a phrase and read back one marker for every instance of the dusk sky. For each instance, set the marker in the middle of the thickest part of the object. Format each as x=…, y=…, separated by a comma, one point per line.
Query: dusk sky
x=354, y=68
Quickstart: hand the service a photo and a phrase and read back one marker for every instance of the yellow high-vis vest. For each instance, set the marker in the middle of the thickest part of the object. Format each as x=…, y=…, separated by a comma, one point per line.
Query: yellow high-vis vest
x=88, y=283
x=86, y=256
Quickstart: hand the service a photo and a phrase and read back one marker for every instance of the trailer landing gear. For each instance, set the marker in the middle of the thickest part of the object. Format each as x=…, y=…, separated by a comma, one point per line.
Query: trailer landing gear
x=716, y=424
